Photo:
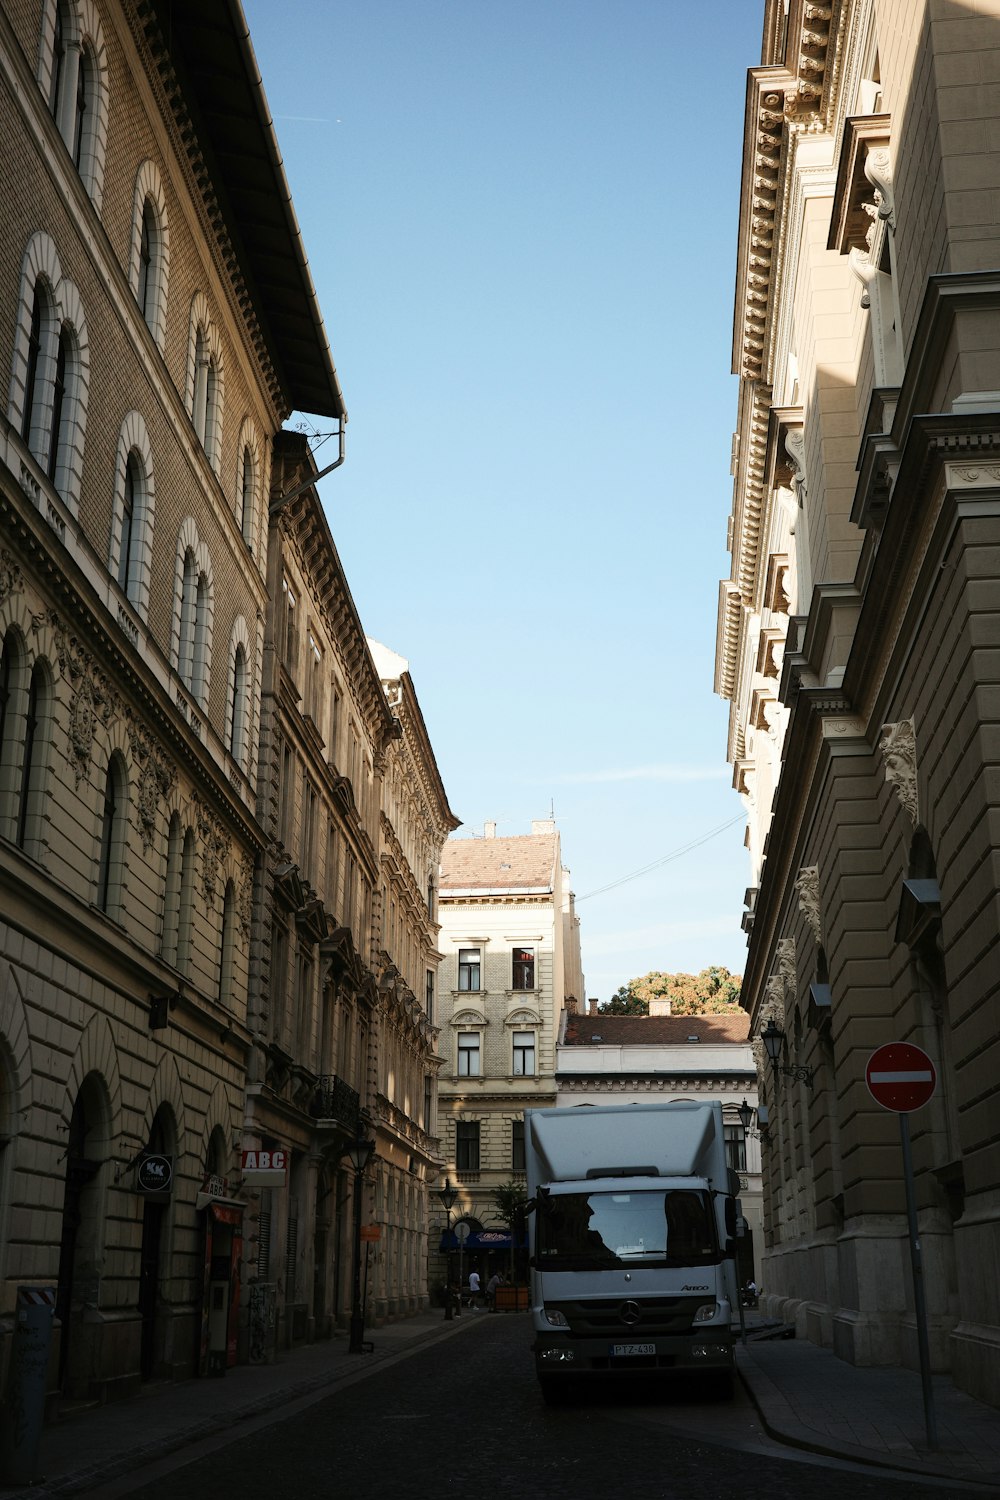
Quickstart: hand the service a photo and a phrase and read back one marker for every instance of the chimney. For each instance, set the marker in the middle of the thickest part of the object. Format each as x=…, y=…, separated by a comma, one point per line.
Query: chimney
x=489, y=830
x=570, y=1004
x=542, y=825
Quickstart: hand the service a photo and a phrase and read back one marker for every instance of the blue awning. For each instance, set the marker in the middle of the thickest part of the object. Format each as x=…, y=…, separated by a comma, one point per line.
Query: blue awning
x=482, y=1239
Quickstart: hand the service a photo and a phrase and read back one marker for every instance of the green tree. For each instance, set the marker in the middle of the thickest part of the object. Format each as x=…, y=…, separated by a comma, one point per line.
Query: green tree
x=624, y=1003
x=510, y=1199
x=714, y=991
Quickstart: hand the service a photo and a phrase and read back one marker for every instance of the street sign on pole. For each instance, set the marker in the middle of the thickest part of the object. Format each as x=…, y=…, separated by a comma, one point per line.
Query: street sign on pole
x=900, y=1077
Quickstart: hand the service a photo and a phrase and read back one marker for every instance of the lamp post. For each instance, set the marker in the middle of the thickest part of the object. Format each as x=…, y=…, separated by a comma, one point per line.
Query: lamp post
x=746, y=1113
x=774, y=1041
x=358, y=1154
x=448, y=1194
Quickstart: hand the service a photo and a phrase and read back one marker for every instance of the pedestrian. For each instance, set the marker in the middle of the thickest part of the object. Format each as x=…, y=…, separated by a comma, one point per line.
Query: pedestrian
x=474, y=1292
x=491, y=1290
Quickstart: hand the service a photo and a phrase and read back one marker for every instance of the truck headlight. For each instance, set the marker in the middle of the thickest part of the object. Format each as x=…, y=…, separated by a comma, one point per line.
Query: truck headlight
x=555, y=1318
x=706, y=1312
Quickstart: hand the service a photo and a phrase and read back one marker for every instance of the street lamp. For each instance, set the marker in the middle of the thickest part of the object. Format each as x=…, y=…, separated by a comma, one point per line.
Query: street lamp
x=746, y=1114
x=358, y=1154
x=774, y=1041
x=448, y=1195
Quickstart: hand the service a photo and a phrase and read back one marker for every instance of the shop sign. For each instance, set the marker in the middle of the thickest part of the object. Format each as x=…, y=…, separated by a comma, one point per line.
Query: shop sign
x=371, y=1231
x=154, y=1174
x=264, y=1168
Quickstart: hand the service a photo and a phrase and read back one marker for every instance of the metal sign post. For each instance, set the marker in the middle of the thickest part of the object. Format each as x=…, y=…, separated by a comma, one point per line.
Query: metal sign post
x=461, y=1234
x=902, y=1078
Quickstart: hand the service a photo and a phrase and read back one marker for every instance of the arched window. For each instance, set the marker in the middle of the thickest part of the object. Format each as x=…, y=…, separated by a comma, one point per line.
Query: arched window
x=57, y=434
x=247, y=486
x=11, y=684
x=228, y=944
x=150, y=249
x=238, y=708
x=31, y=754
x=205, y=413
x=58, y=64
x=111, y=861
x=126, y=545
x=193, y=613
x=147, y=243
x=189, y=607
x=204, y=380
x=83, y=116
x=185, y=915
x=172, y=891
x=31, y=371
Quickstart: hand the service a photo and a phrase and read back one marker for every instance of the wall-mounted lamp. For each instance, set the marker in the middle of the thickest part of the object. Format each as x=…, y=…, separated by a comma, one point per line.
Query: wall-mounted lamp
x=774, y=1044
x=746, y=1113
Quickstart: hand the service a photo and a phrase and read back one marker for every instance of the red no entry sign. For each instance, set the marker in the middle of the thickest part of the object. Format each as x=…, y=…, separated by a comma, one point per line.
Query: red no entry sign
x=900, y=1076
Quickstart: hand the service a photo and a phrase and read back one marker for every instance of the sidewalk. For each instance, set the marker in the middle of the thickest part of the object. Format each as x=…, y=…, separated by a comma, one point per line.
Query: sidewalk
x=100, y=1444
x=809, y=1398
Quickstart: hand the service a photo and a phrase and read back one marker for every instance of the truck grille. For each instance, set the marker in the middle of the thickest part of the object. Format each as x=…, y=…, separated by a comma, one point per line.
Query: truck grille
x=638, y=1317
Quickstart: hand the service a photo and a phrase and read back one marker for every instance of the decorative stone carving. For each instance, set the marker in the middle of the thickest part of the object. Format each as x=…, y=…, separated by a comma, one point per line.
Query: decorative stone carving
x=785, y=951
x=92, y=698
x=860, y=263
x=807, y=889
x=898, y=746
x=244, y=898
x=215, y=847
x=878, y=170
x=795, y=447
x=156, y=778
x=11, y=578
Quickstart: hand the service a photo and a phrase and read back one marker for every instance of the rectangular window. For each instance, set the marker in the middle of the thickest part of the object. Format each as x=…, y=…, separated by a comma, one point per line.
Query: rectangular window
x=524, y=969
x=468, y=968
x=736, y=1147
x=524, y=1054
x=429, y=996
x=467, y=1146
x=468, y=1054
x=517, y=1163
x=428, y=1102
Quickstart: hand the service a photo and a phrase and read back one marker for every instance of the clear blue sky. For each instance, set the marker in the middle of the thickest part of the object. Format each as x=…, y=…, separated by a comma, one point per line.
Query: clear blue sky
x=521, y=223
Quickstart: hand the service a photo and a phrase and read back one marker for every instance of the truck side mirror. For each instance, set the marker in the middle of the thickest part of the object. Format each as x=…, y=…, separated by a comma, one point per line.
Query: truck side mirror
x=732, y=1225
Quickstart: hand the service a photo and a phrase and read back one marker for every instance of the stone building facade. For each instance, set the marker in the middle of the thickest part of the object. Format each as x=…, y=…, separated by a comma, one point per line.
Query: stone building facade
x=510, y=945
x=144, y=384
x=414, y=822
x=603, y=1059
x=857, y=647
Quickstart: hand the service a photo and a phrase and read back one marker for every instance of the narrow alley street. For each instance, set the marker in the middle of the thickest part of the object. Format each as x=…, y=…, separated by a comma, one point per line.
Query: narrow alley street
x=464, y=1415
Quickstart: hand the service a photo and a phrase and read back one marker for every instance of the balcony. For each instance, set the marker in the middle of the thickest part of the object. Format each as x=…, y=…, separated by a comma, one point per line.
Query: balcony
x=335, y=1104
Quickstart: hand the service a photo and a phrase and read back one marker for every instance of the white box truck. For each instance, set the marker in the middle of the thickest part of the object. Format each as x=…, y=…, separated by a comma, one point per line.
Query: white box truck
x=632, y=1233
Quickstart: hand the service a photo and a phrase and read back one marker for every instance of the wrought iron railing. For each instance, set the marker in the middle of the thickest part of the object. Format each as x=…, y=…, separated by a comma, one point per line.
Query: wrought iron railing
x=336, y=1100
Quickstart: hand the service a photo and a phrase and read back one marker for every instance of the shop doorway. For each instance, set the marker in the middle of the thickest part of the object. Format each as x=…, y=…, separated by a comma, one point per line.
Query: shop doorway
x=80, y=1244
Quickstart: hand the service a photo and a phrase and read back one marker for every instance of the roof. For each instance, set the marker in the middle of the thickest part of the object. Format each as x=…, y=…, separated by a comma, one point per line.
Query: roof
x=209, y=48
x=655, y=1031
x=526, y=863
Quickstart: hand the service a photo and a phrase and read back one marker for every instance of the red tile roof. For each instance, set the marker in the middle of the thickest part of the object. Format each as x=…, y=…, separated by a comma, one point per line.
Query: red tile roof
x=500, y=864
x=656, y=1031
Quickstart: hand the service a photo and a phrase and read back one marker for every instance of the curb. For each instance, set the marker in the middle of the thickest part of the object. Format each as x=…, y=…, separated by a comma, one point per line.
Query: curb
x=778, y=1420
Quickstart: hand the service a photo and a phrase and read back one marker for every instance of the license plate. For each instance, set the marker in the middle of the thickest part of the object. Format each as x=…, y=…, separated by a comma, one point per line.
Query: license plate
x=624, y=1351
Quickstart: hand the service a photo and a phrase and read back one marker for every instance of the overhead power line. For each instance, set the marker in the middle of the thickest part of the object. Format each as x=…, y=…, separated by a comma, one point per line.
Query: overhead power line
x=686, y=849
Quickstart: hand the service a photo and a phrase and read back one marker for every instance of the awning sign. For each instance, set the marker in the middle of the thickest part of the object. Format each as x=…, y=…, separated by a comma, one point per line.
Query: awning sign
x=264, y=1168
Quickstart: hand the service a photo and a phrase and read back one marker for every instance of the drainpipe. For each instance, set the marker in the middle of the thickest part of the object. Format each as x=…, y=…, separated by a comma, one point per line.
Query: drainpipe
x=278, y=505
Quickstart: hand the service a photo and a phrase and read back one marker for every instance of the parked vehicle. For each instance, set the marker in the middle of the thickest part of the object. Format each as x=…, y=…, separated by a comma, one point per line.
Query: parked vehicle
x=632, y=1234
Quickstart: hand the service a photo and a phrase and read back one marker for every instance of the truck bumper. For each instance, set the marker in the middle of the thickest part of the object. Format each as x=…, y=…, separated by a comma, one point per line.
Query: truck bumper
x=711, y=1349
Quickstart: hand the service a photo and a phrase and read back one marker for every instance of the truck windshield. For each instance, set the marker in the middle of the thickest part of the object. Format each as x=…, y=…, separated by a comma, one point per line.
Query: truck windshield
x=584, y=1231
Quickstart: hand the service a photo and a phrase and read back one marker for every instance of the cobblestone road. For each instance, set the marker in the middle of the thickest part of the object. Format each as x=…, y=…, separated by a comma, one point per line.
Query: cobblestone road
x=465, y=1418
